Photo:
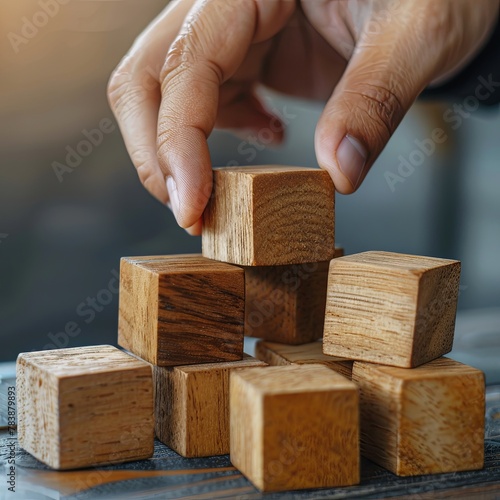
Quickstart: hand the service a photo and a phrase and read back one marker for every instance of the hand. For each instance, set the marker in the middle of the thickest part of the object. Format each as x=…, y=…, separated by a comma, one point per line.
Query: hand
x=197, y=66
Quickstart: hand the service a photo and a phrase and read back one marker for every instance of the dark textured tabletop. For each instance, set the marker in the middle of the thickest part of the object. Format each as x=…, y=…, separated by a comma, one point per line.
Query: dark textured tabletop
x=169, y=476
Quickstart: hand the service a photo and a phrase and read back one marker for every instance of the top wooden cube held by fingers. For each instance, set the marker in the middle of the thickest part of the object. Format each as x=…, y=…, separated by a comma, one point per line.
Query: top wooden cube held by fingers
x=270, y=215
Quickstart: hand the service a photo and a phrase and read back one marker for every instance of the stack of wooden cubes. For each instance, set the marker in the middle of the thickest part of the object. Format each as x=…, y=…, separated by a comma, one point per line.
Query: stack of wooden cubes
x=184, y=314
x=389, y=320
x=377, y=381
x=291, y=427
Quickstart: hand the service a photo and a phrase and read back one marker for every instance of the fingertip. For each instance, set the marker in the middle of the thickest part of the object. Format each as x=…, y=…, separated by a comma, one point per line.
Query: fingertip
x=326, y=146
x=352, y=156
x=182, y=213
x=341, y=182
x=194, y=193
x=195, y=229
x=189, y=197
x=186, y=164
x=173, y=196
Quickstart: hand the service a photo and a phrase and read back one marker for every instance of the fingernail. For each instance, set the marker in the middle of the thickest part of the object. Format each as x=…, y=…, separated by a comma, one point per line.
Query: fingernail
x=351, y=157
x=173, y=194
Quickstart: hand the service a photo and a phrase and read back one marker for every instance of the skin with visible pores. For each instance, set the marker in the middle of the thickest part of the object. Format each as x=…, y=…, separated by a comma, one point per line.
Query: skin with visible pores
x=198, y=64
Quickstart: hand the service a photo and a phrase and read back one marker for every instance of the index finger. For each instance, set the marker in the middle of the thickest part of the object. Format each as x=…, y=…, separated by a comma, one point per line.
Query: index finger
x=211, y=46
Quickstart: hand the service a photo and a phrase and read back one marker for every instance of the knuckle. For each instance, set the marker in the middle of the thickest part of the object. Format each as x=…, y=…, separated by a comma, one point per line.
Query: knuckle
x=166, y=134
x=128, y=88
x=380, y=105
x=440, y=21
x=188, y=51
x=128, y=104
x=153, y=181
x=155, y=185
x=145, y=165
x=144, y=172
x=143, y=161
x=118, y=82
x=179, y=56
x=115, y=88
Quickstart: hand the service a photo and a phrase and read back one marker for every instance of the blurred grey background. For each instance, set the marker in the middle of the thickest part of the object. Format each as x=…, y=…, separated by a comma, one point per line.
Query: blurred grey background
x=61, y=238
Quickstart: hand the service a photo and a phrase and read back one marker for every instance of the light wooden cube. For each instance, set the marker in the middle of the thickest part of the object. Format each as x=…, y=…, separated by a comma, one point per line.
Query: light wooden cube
x=181, y=309
x=307, y=354
x=294, y=427
x=270, y=215
x=84, y=406
x=192, y=406
x=426, y=420
x=390, y=308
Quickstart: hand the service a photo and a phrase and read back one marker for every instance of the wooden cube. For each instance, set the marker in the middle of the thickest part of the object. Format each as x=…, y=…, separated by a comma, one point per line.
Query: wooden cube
x=294, y=427
x=270, y=215
x=84, y=406
x=307, y=354
x=339, y=252
x=426, y=420
x=286, y=303
x=192, y=406
x=181, y=309
x=391, y=308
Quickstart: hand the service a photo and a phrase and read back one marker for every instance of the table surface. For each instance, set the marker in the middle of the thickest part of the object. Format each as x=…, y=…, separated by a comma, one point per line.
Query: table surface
x=169, y=476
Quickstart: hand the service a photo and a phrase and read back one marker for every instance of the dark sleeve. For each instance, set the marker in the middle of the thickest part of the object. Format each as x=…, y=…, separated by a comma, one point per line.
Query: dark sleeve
x=483, y=72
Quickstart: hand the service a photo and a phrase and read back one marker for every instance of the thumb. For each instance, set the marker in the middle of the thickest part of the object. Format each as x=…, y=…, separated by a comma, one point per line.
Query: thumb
x=381, y=82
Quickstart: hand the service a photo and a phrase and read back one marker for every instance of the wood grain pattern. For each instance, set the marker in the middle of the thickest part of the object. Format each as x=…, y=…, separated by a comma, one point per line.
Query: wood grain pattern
x=286, y=303
x=389, y=308
x=181, y=309
x=84, y=406
x=294, y=427
x=426, y=420
x=270, y=215
x=187, y=477
x=307, y=354
x=192, y=406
